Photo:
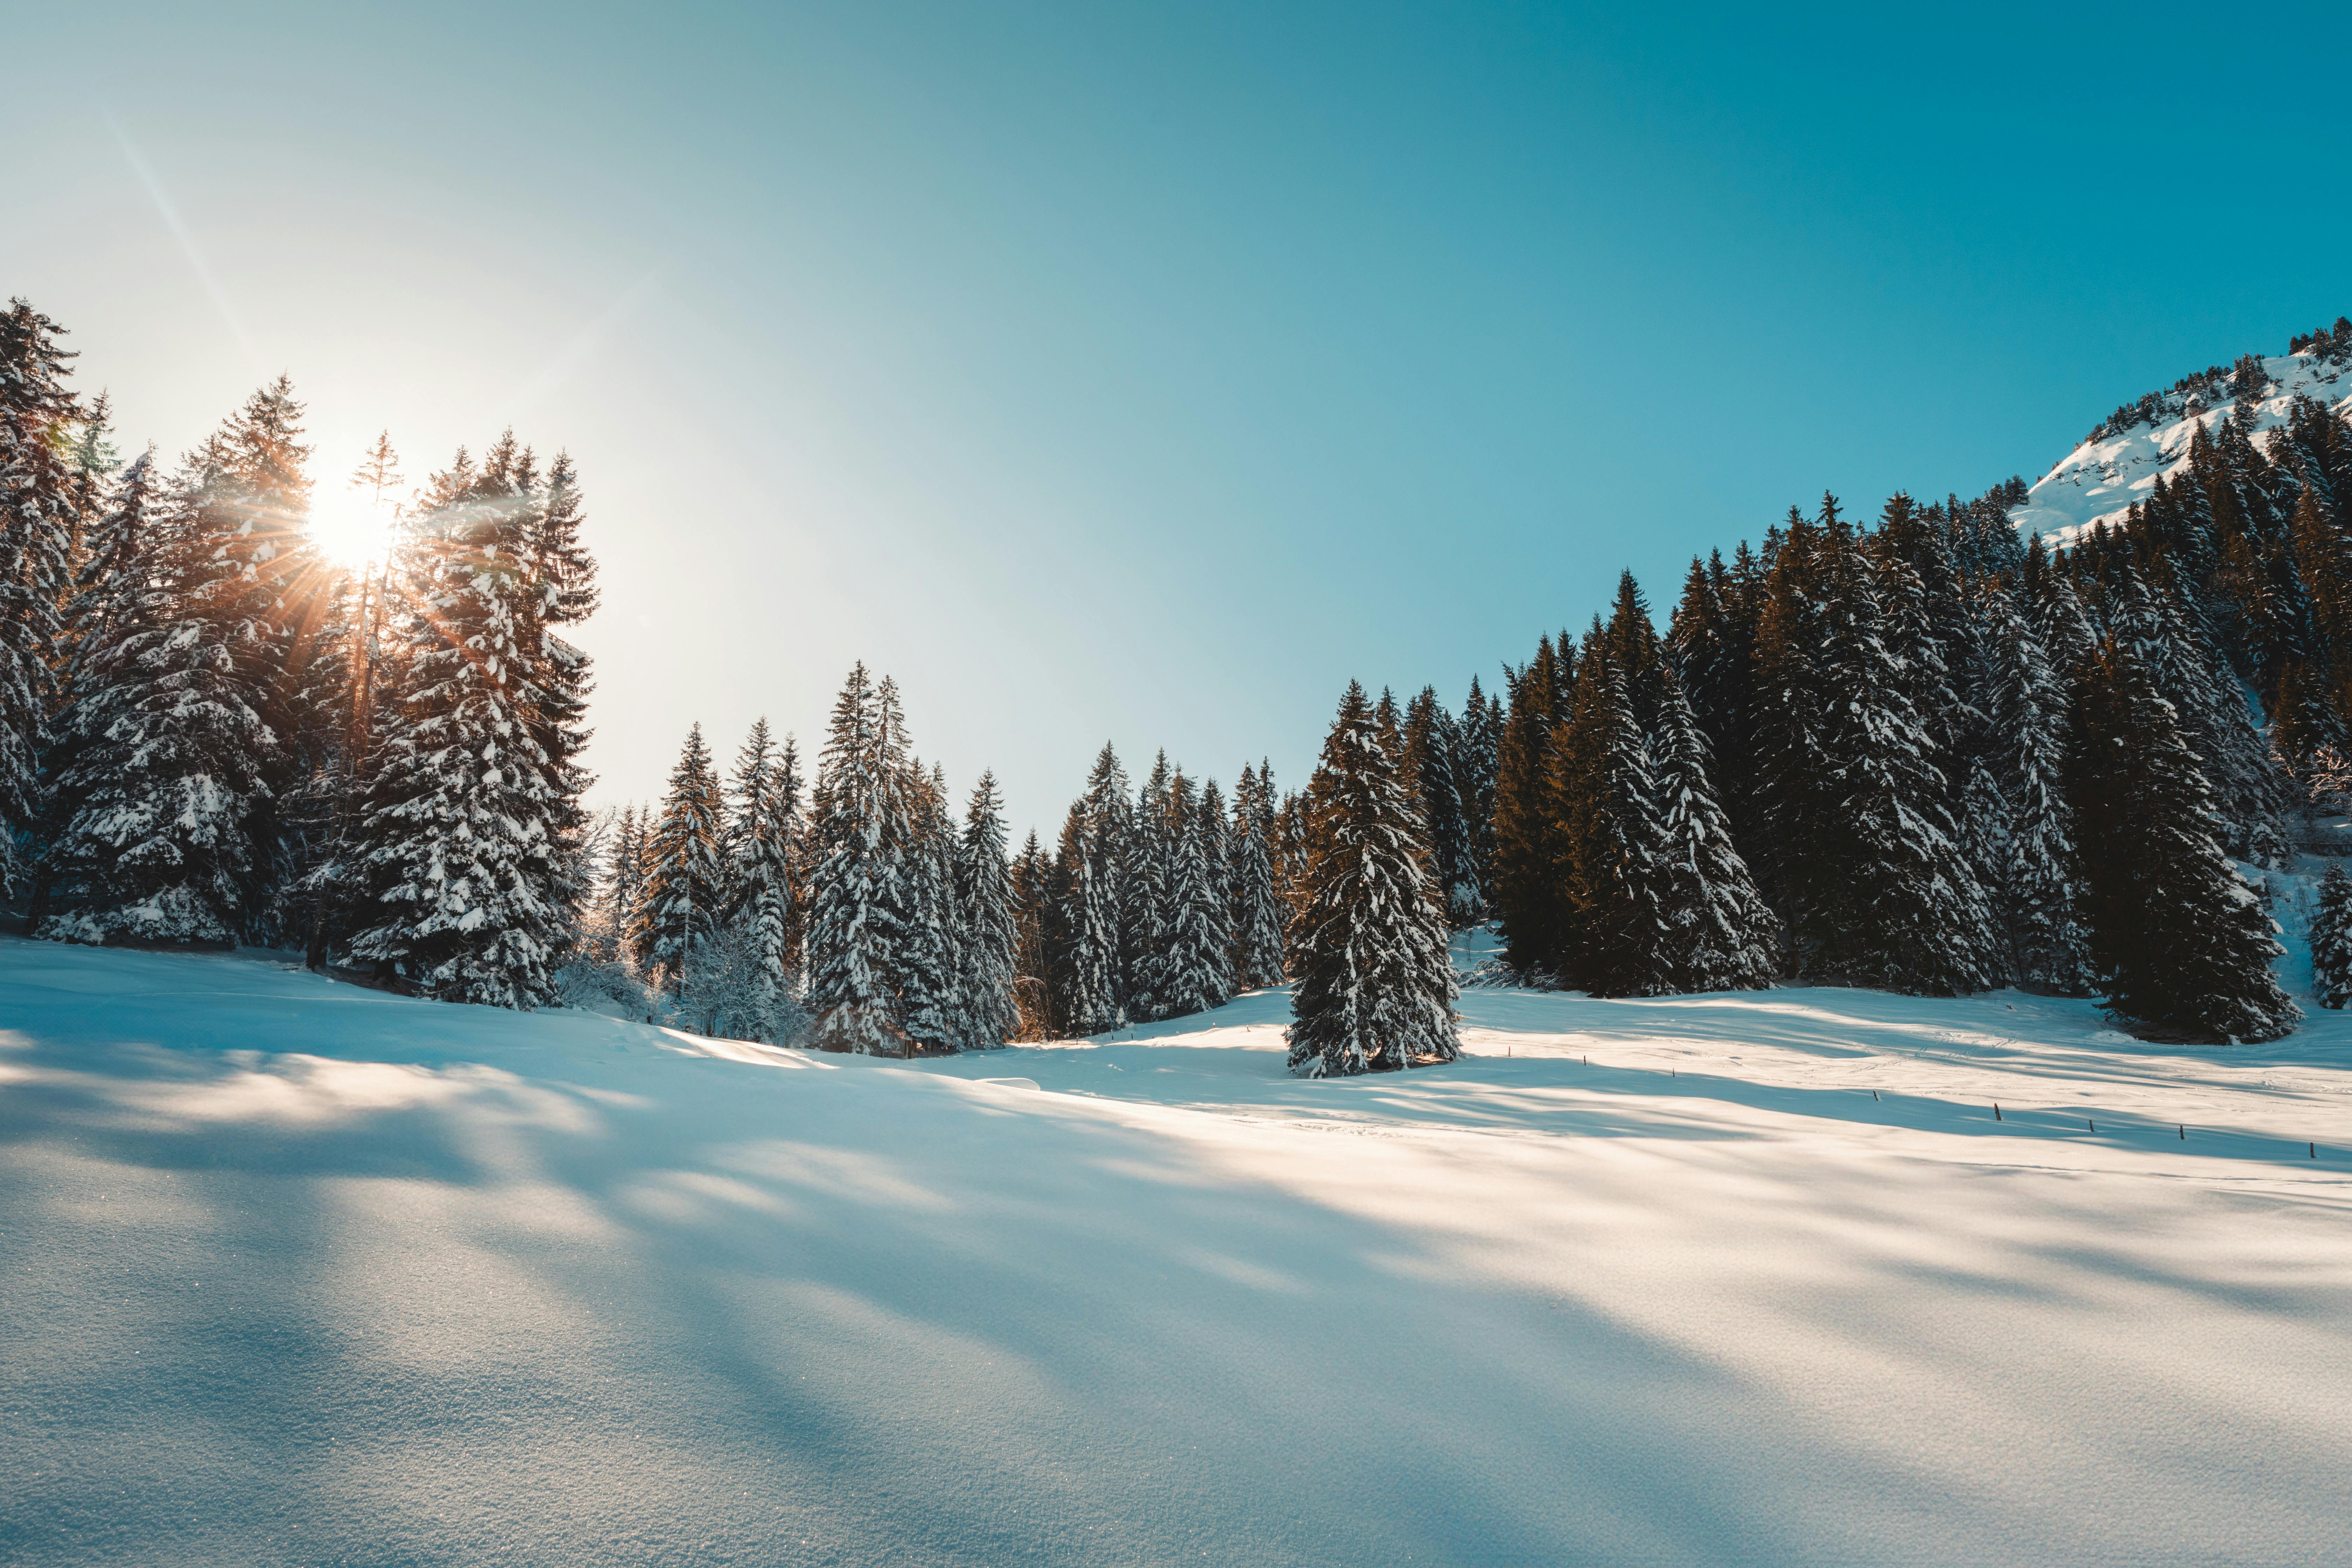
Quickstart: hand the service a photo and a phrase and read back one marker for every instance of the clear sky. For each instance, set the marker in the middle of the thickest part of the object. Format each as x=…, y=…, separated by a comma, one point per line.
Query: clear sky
x=1145, y=372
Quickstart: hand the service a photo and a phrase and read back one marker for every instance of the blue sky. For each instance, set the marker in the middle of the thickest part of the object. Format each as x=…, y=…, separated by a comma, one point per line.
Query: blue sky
x=1147, y=372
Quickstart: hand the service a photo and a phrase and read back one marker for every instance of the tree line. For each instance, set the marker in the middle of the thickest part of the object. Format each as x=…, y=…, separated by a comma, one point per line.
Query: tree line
x=1919, y=755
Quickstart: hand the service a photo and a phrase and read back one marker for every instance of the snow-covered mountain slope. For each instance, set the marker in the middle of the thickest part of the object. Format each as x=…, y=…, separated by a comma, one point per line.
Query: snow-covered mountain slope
x=2103, y=476
x=295, y=1273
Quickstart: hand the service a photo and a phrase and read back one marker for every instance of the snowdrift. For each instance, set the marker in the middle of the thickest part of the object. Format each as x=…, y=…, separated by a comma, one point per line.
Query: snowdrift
x=298, y=1273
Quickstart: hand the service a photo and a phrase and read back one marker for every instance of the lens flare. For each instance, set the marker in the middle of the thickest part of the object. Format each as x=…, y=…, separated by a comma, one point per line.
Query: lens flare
x=349, y=529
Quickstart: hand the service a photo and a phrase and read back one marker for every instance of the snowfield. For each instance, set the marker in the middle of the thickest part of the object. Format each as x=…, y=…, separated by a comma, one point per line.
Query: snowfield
x=2100, y=480
x=297, y=1273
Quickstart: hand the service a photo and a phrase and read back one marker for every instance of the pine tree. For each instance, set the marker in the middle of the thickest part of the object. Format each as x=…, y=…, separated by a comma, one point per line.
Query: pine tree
x=1713, y=644
x=1257, y=911
x=1617, y=937
x=162, y=761
x=93, y=463
x=1905, y=912
x=2182, y=943
x=858, y=892
x=37, y=525
x=1475, y=761
x=1198, y=936
x=1796, y=798
x=333, y=880
x=989, y=982
x=1432, y=744
x=930, y=961
x=1719, y=933
x=762, y=889
x=685, y=898
x=1376, y=985
x=624, y=882
x=120, y=559
x=140, y=725
x=460, y=851
x=2058, y=619
x=563, y=577
x=2168, y=637
x=1032, y=882
x=1527, y=887
x=1095, y=991
x=2041, y=876
x=1145, y=872
x=264, y=601
x=2331, y=940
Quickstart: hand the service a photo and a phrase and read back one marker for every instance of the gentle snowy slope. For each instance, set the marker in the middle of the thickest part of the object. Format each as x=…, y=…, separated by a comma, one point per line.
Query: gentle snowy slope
x=2100, y=480
x=295, y=1273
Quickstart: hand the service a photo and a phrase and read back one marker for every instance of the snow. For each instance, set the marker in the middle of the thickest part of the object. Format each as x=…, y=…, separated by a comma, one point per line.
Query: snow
x=2099, y=481
x=298, y=1273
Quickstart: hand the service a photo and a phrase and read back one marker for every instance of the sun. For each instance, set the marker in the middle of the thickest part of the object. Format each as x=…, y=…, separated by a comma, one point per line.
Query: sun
x=348, y=529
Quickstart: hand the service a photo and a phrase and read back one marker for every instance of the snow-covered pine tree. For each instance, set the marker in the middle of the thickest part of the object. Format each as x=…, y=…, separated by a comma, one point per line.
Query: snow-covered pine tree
x=1376, y=985
x=1714, y=653
x=1906, y=913
x=2058, y=618
x=115, y=868
x=762, y=884
x=119, y=559
x=1432, y=742
x=2040, y=884
x=1145, y=911
x=931, y=959
x=460, y=848
x=860, y=836
x=93, y=462
x=268, y=600
x=37, y=519
x=1935, y=655
x=1474, y=762
x=988, y=983
x=1032, y=882
x=1795, y=795
x=685, y=895
x=624, y=884
x=1527, y=889
x=167, y=745
x=1198, y=937
x=2168, y=636
x=1607, y=824
x=1093, y=1002
x=1217, y=855
x=2331, y=940
x=1063, y=916
x=563, y=575
x=1257, y=911
x=744, y=796
x=2182, y=943
x=1720, y=934
x=331, y=877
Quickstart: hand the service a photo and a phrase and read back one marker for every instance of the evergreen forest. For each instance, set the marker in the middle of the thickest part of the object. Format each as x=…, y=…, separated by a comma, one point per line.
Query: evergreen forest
x=1910, y=751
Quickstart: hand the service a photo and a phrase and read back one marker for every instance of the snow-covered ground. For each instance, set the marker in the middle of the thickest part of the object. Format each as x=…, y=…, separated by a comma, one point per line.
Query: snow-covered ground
x=295, y=1273
x=2100, y=480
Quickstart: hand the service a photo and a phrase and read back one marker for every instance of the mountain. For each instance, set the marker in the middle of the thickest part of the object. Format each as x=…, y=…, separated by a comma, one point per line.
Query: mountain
x=2119, y=462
